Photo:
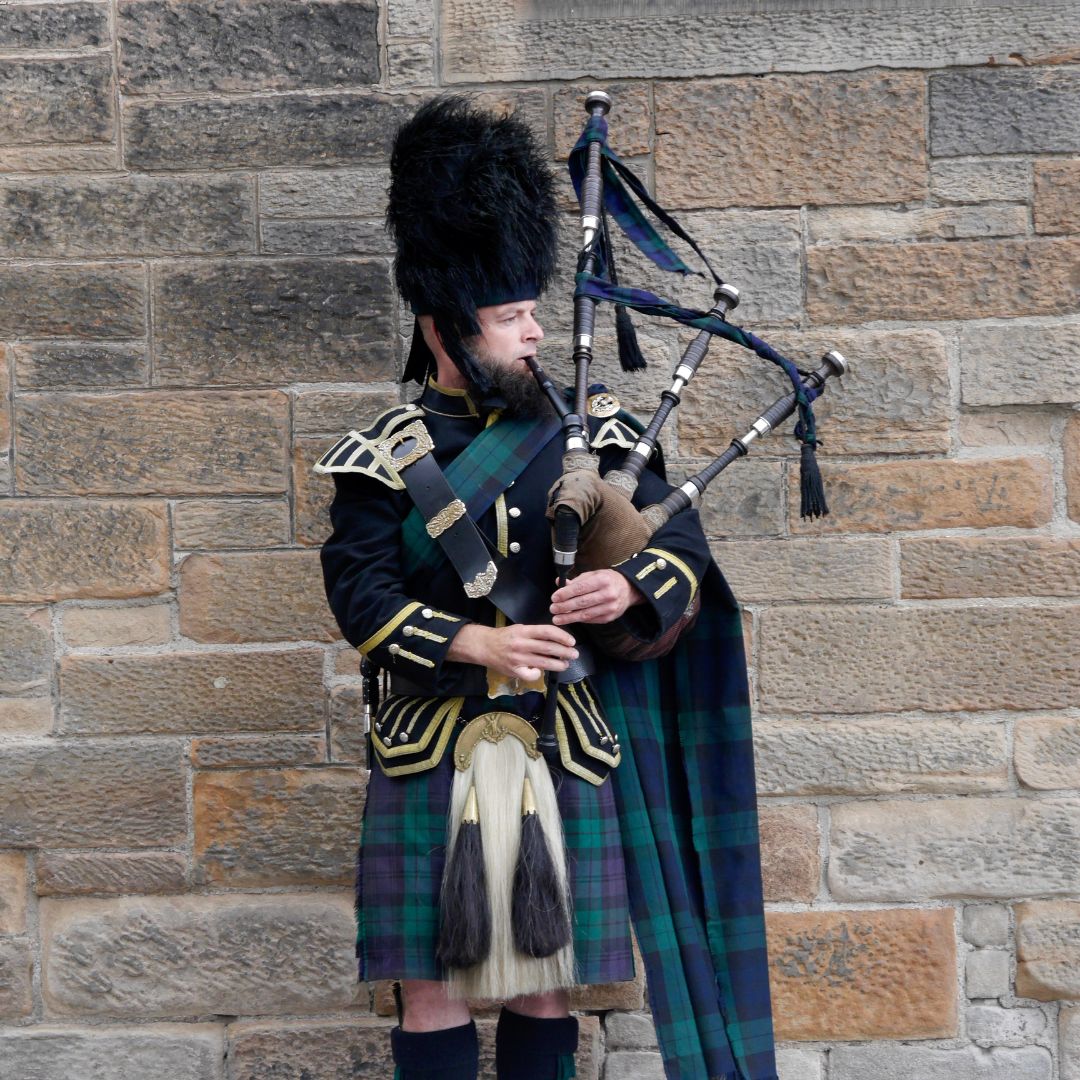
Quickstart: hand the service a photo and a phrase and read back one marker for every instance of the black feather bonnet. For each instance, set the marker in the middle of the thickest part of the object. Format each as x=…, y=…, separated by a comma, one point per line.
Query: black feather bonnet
x=472, y=212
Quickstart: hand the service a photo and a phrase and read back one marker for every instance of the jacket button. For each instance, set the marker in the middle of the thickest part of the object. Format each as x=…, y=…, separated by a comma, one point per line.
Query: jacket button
x=515, y=511
x=393, y=649
x=427, y=613
x=407, y=631
x=515, y=547
x=661, y=563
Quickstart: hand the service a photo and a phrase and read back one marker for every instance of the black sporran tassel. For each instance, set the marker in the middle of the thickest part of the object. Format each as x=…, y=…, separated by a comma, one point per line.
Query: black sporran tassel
x=539, y=914
x=812, y=489
x=465, y=914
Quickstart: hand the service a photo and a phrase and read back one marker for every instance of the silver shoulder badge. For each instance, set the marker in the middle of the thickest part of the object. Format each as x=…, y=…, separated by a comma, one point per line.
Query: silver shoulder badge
x=603, y=404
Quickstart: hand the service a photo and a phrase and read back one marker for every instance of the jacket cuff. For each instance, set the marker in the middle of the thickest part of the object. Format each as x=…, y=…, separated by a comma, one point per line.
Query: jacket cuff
x=414, y=643
x=668, y=585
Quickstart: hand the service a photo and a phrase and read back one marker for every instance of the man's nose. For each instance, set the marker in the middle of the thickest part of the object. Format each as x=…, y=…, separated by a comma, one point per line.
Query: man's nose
x=533, y=330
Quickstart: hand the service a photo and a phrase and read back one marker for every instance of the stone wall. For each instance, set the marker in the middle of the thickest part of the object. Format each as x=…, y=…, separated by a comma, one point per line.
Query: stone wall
x=195, y=299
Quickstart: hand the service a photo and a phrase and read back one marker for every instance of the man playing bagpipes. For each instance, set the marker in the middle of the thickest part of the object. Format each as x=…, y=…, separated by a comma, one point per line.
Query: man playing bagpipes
x=491, y=867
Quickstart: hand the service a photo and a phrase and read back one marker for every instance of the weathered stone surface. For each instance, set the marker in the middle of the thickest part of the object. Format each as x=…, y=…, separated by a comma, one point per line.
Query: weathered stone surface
x=784, y=127
x=230, y=523
x=25, y=649
x=5, y=401
x=930, y=494
x=986, y=925
x=882, y=974
x=1057, y=196
x=333, y=412
x=1017, y=426
x=51, y=101
x=410, y=64
x=899, y=1061
x=59, y=158
x=26, y=716
x=991, y=374
x=989, y=566
x=207, y=954
x=879, y=756
x=279, y=321
x=893, y=399
x=996, y=847
x=347, y=661
x=93, y=300
x=633, y=1065
x=269, y=596
x=110, y=873
x=1005, y=111
x=986, y=975
x=178, y=1051
x=88, y=793
x=253, y=827
x=629, y=1031
x=99, y=627
x=968, y=279
x=883, y=659
x=126, y=215
x=1069, y=1020
x=97, y=549
x=790, y=864
x=764, y=570
x=745, y=502
x=922, y=223
x=1071, y=446
x=260, y=131
x=12, y=892
x=72, y=367
x=151, y=443
x=53, y=26
x=194, y=691
x=331, y=237
x=629, y=120
x=981, y=180
x=1048, y=948
x=233, y=751
x=347, y=728
x=314, y=1049
x=312, y=492
x=1047, y=752
x=794, y=1064
x=233, y=45
x=16, y=966
x=310, y=193
x=407, y=17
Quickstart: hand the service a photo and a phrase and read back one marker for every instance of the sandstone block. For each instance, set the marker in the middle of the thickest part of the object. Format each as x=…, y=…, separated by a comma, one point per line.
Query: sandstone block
x=127, y=215
x=746, y=502
x=894, y=398
x=53, y=26
x=881, y=974
x=90, y=793
x=629, y=120
x=1069, y=1020
x=988, y=1025
x=347, y=731
x=347, y=661
x=410, y=17
x=97, y=549
x=333, y=412
x=204, y=692
x=12, y=892
x=1047, y=752
x=784, y=126
x=151, y=442
x=16, y=966
x=410, y=64
x=1057, y=193
x=334, y=236
x=208, y=954
x=1005, y=111
x=5, y=401
x=989, y=566
x=1048, y=949
x=261, y=131
x=790, y=864
x=86, y=301
x=58, y=157
x=929, y=223
x=235, y=751
x=279, y=321
x=629, y=1031
x=49, y=366
x=986, y=975
x=230, y=523
x=981, y=180
x=930, y=494
x=56, y=101
x=991, y=375
x=989, y=848
x=100, y=627
x=967, y=279
x=321, y=1049
x=110, y=873
x=312, y=493
x=1019, y=426
x=178, y=1051
x=896, y=1061
x=253, y=827
x=986, y=925
x=324, y=193
x=266, y=596
x=25, y=649
x=882, y=755
x=228, y=45
x=26, y=716
x=1071, y=445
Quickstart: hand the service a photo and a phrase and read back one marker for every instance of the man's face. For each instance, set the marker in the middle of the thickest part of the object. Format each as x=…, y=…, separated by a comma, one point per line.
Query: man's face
x=508, y=334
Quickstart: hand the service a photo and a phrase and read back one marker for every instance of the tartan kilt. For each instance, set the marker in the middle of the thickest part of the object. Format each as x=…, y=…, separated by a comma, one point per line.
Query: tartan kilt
x=399, y=869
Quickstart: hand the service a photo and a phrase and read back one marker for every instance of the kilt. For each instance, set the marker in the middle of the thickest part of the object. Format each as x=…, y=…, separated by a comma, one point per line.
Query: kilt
x=399, y=869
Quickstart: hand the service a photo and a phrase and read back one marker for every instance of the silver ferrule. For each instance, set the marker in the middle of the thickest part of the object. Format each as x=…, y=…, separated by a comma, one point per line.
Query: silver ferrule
x=643, y=448
x=576, y=443
x=678, y=384
x=564, y=558
x=590, y=225
x=583, y=341
x=761, y=427
x=684, y=372
x=690, y=490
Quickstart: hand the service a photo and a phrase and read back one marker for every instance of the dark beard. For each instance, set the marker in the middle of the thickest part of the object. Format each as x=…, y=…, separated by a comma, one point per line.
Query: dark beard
x=518, y=389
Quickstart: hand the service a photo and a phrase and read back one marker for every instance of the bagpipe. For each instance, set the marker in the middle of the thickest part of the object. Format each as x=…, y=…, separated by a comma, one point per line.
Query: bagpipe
x=607, y=188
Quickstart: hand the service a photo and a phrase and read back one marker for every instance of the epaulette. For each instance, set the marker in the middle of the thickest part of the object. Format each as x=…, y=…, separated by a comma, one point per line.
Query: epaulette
x=368, y=451
x=617, y=428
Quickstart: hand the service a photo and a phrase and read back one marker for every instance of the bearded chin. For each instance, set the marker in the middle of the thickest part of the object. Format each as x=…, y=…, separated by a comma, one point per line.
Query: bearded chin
x=518, y=389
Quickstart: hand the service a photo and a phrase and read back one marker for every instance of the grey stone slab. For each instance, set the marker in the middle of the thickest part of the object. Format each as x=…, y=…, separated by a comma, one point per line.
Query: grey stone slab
x=53, y=26
x=25, y=649
x=1020, y=363
x=986, y=975
x=230, y=523
x=16, y=967
x=981, y=180
x=921, y=223
x=897, y=1061
x=191, y=955
x=176, y=1051
x=336, y=236
x=993, y=1025
x=629, y=1031
x=992, y=848
x=273, y=321
x=795, y=1064
x=986, y=925
x=93, y=793
x=633, y=1065
x=1069, y=1020
x=56, y=101
x=83, y=301
x=192, y=45
x=110, y=872
x=257, y=131
x=321, y=193
x=313, y=1049
x=80, y=366
x=410, y=17
x=126, y=215
x=1005, y=111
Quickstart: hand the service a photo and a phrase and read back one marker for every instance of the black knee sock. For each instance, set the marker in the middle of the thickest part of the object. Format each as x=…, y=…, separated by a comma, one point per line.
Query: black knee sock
x=527, y=1048
x=449, y=1054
